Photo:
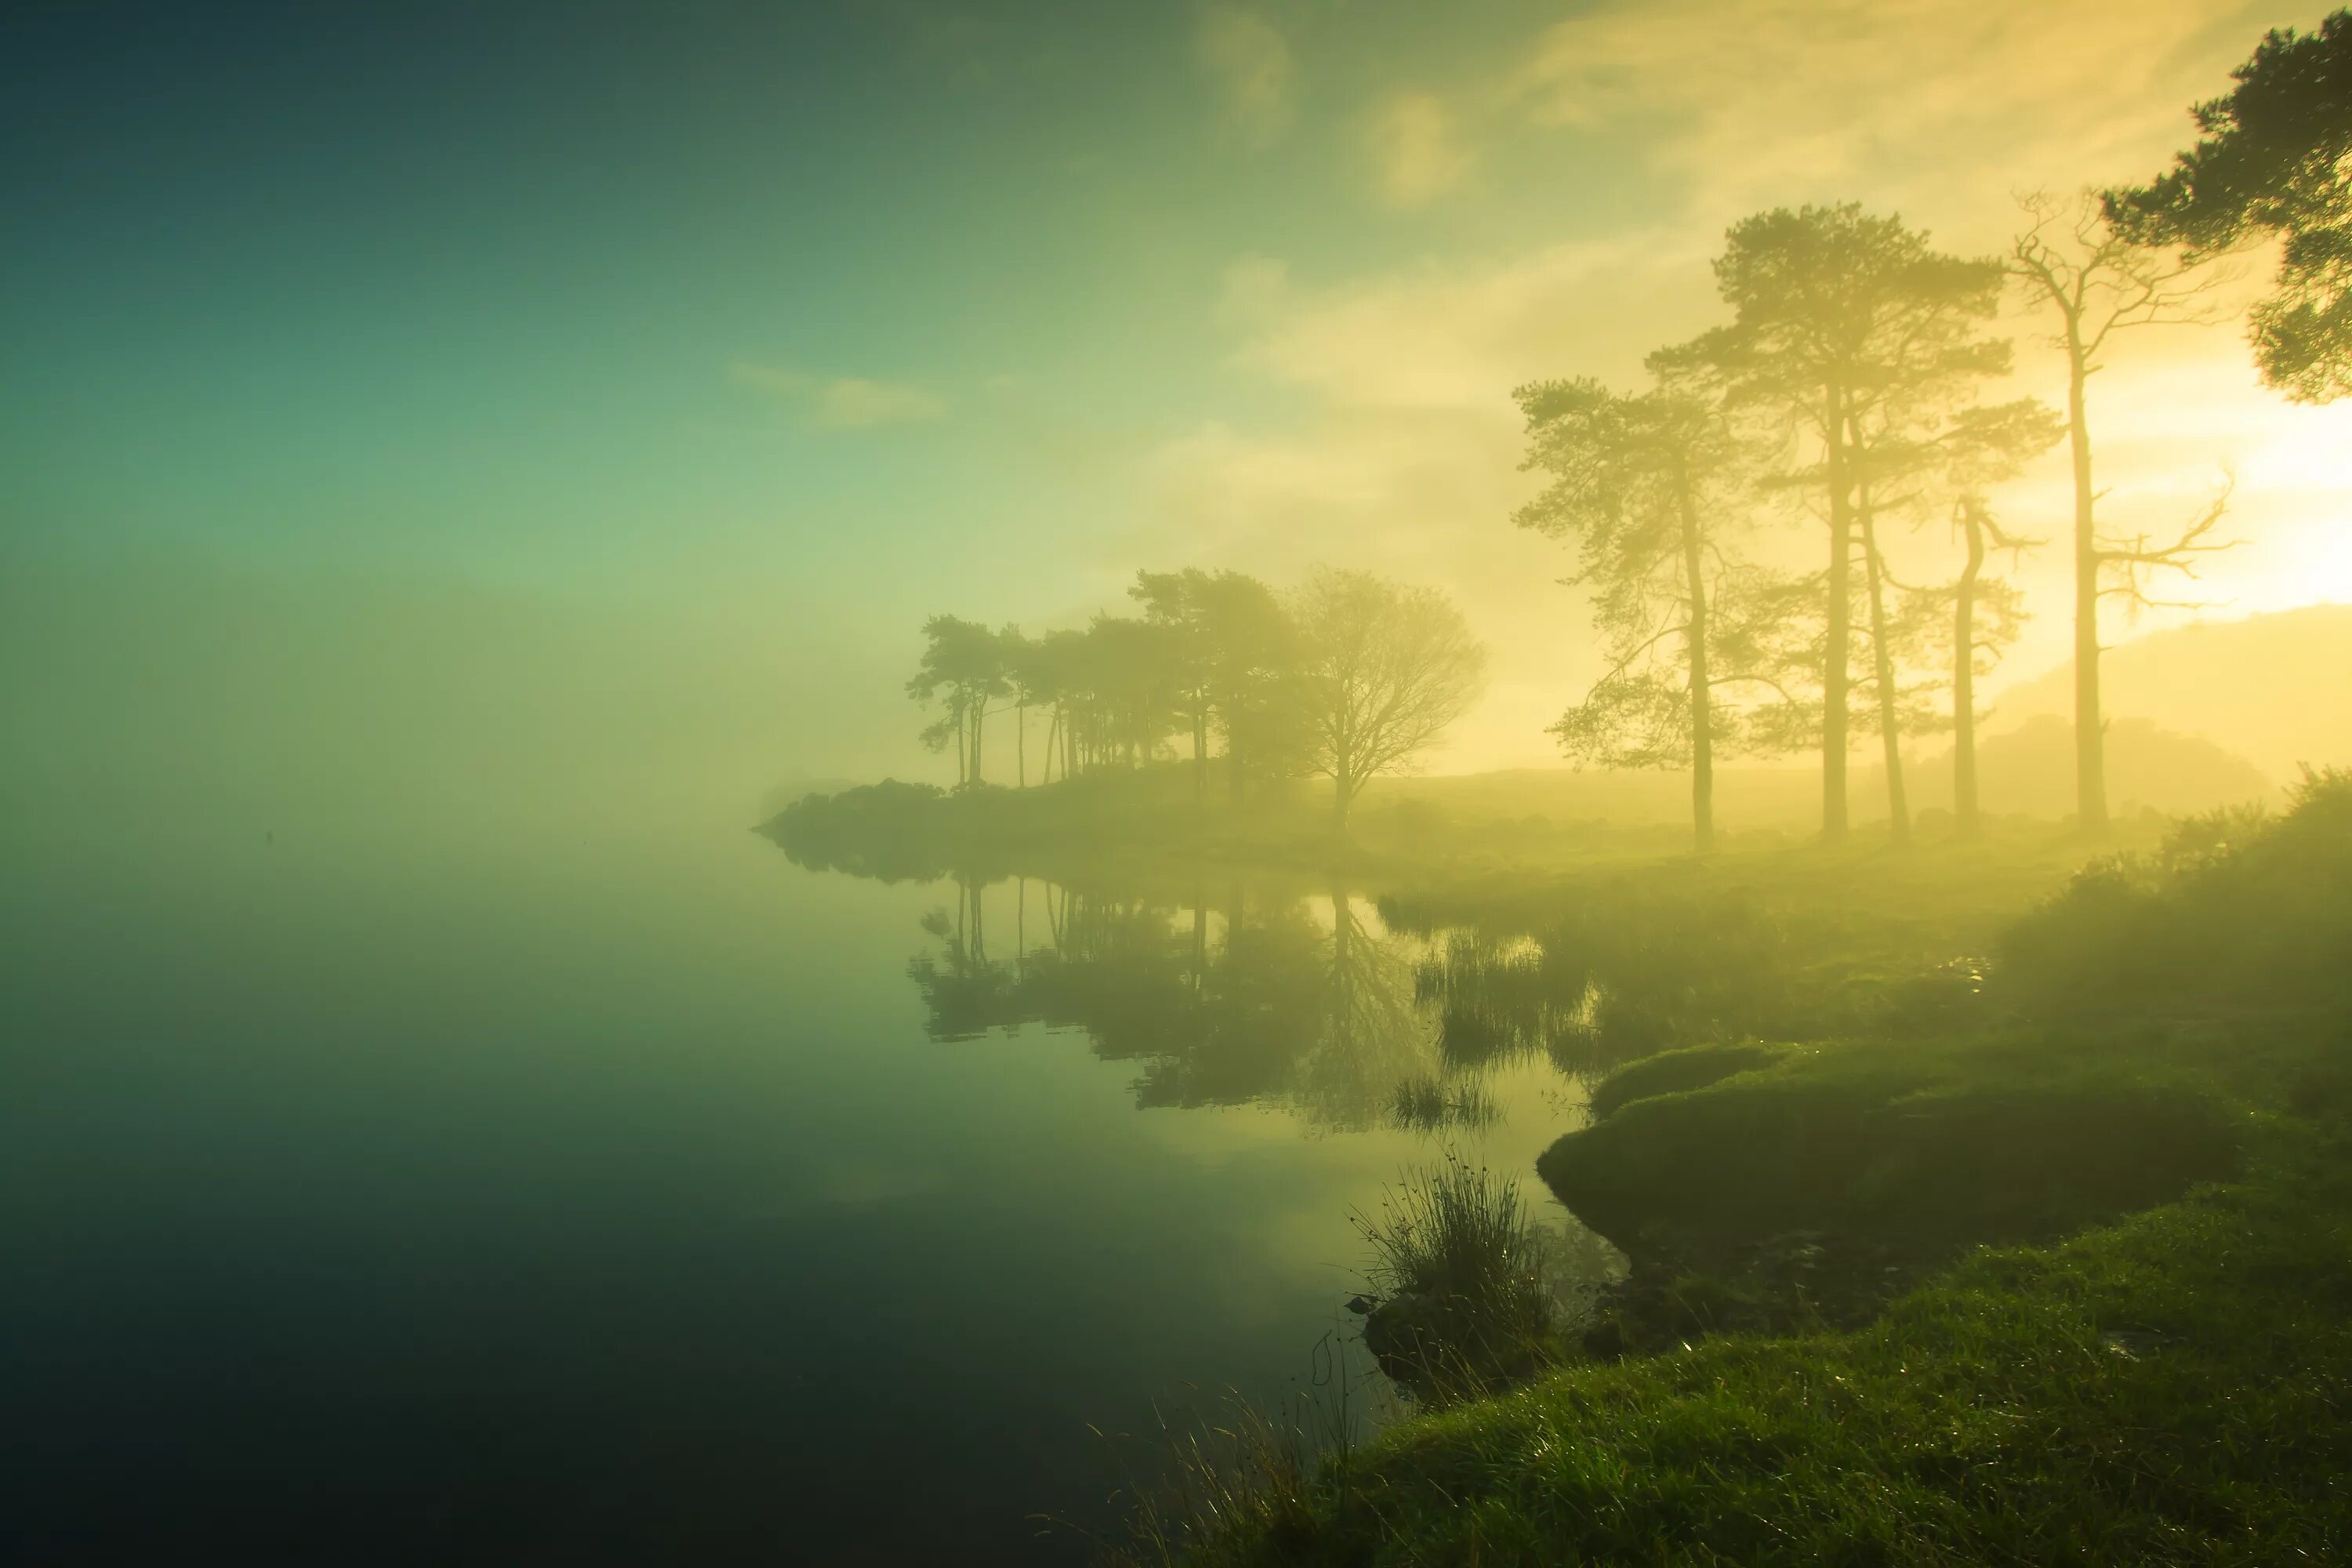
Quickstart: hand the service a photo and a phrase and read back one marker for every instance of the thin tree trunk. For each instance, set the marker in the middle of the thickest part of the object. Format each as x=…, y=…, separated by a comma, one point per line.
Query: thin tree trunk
x=1965, y=819
x=1702, y=711
x=2090, y=739
x=1890, y=714
x=1890, y=731
x=1021, y=745
x=1839, y=631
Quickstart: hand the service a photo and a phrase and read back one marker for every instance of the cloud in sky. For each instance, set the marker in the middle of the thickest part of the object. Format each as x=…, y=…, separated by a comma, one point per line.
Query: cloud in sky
x=1417, y=149
x=1928, y=102
x=844, y=403
x=1250, y=62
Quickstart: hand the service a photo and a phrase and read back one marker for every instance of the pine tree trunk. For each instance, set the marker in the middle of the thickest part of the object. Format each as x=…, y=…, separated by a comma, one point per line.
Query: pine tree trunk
x=1702, y=710
x=1839, y=630
x=2090, y=737
x=1890, y=730
x=1966, y=821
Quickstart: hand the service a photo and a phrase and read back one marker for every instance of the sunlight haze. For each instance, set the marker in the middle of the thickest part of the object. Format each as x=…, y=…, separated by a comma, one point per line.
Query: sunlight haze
x=786, y=329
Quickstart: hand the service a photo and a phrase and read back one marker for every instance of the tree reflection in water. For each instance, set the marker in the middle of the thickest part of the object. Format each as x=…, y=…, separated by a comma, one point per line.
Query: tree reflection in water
x=1236, y=994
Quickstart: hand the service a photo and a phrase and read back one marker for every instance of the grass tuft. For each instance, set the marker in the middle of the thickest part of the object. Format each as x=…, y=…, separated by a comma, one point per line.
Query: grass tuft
x=1463, y=1304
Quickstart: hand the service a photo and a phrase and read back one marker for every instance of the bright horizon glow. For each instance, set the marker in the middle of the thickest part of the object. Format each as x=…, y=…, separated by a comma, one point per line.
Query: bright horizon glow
x=774, y=334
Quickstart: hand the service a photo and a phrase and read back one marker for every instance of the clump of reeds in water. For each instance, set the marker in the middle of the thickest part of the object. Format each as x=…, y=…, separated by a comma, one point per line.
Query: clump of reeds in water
x=1493, y=999
x=1433, y=1105
x=1463, y=1307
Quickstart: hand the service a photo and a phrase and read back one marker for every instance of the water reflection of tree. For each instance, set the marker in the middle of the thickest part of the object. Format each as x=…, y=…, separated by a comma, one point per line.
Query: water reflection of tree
x=1618, y=976
x=964, y=993
x=1221, y=997
x=1374, y=1040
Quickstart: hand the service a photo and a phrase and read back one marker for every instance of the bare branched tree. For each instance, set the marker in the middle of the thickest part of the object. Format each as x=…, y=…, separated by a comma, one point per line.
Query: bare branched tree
x=2072, y=265
x=2125, y=566
x=1383, y=671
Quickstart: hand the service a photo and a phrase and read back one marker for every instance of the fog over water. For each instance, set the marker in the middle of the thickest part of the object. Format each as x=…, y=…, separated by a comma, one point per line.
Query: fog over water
x=775, y=781
x=574, y=1176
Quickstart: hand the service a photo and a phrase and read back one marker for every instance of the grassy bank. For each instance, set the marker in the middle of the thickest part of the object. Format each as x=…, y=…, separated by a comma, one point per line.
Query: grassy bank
x=2088, y=1287
x=2170, y=1389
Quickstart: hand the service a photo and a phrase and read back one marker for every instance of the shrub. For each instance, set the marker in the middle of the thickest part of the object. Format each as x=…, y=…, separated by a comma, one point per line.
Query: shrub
x=2236, y=906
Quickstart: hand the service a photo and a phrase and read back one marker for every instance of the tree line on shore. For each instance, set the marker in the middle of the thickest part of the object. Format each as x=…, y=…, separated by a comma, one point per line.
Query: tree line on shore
x=1845, y=394
x=1347, y=676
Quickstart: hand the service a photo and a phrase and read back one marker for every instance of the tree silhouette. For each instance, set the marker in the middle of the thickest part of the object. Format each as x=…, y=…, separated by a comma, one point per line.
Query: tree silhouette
x=2074, y=264
x=1383, y=671
x=1228, y=648
x=1842, y=322
x=1983, y=445
x=963, y=669
x=1252, y=659
x=1022, y=669
x=1132, y=688
x=1174, y=602
x=1640, y=481
x=2272, y=161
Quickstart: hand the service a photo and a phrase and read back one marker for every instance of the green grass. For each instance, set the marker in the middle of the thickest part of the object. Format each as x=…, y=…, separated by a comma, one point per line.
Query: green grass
x=2120, y=1159
x=2006, y=1137
x=1674, y=1072
x=2174, y=1388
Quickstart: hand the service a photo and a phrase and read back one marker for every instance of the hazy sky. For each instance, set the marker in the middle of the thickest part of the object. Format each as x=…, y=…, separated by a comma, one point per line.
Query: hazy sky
x=788, y=325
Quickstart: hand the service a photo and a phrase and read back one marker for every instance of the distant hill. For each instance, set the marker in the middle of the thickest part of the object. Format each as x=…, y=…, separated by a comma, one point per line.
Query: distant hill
x=2276, y=688
x=2030, y=772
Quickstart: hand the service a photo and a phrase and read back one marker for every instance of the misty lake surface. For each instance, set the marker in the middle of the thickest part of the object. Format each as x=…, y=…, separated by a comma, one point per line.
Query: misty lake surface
x=626, y=1196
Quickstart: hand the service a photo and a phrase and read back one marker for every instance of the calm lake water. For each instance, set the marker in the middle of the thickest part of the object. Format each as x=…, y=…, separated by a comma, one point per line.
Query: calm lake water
x=575, y=1199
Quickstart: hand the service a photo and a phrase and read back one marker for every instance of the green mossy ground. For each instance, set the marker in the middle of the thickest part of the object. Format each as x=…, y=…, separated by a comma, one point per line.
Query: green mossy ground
x=2173, y=1388
x=2110, y=1193
x=1673, y=1072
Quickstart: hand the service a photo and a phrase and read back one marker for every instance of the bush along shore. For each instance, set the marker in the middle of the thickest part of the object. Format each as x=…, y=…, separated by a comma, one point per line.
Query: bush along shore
x=2065, y=1275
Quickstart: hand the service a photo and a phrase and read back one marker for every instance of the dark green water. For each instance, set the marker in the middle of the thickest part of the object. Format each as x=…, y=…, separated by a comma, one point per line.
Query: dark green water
x=597, y=1197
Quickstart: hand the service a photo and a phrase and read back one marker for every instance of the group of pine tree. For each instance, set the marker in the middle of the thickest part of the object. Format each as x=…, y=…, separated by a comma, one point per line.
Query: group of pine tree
x=1845, y=396
x=1349, y=675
